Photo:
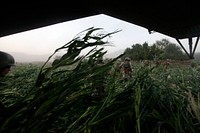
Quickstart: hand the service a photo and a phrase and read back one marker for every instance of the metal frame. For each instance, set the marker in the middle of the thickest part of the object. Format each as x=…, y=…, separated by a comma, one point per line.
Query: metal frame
x=191, y=49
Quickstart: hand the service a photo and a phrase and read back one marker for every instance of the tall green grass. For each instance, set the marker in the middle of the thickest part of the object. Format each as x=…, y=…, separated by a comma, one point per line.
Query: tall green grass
x=155, y=100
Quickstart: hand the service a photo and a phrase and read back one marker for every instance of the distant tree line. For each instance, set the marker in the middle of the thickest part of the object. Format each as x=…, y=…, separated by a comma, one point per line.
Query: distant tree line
x=160, y=50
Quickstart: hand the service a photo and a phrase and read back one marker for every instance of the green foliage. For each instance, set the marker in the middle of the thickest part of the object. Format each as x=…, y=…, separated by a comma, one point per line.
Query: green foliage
x=172, y=51
x=160, y=50
x=59, y=96
x=60, y=88
x=18, y=83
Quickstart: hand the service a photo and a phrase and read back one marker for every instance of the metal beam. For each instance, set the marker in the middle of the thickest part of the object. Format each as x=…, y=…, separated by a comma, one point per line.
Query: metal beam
x=195, y=46
x=183, y=47
x=191, y=50
x=190, y=47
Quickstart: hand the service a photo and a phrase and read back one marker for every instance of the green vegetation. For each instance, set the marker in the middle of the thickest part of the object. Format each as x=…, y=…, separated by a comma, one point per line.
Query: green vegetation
x=58, y=98
x=160, y=50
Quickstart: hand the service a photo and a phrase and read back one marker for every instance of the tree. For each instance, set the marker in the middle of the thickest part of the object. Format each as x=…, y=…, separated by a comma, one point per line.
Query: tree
x=155, y=52
x=162, y=43
x=170, y=50
x=145, y=51
x=138, y=51
x=162, y=49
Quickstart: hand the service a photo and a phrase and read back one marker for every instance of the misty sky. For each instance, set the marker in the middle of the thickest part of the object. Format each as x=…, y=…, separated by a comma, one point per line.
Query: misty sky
x=45, y=40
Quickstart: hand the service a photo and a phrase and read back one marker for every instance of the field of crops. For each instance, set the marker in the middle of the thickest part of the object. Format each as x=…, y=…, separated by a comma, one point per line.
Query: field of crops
x=57, y=97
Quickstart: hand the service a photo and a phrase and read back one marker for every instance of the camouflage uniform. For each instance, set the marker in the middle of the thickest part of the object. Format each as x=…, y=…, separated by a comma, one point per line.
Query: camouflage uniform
x=126, y=69
x=6, y=61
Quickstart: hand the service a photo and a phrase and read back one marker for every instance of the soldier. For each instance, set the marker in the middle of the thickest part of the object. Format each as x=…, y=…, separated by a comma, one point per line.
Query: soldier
x=6, y=62
x=127, y=69
x=117, y=65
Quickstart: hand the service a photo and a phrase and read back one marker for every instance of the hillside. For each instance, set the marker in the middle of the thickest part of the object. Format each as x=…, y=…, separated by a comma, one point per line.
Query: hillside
x=23, y=57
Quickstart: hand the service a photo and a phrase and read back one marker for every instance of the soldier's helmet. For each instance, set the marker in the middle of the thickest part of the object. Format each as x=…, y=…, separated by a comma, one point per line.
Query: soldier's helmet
x=119, y=60
x=6, y=60
x=127, y=59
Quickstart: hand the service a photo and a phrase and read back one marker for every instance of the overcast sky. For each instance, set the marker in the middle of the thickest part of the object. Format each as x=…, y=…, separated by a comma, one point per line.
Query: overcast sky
x=45, y=40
